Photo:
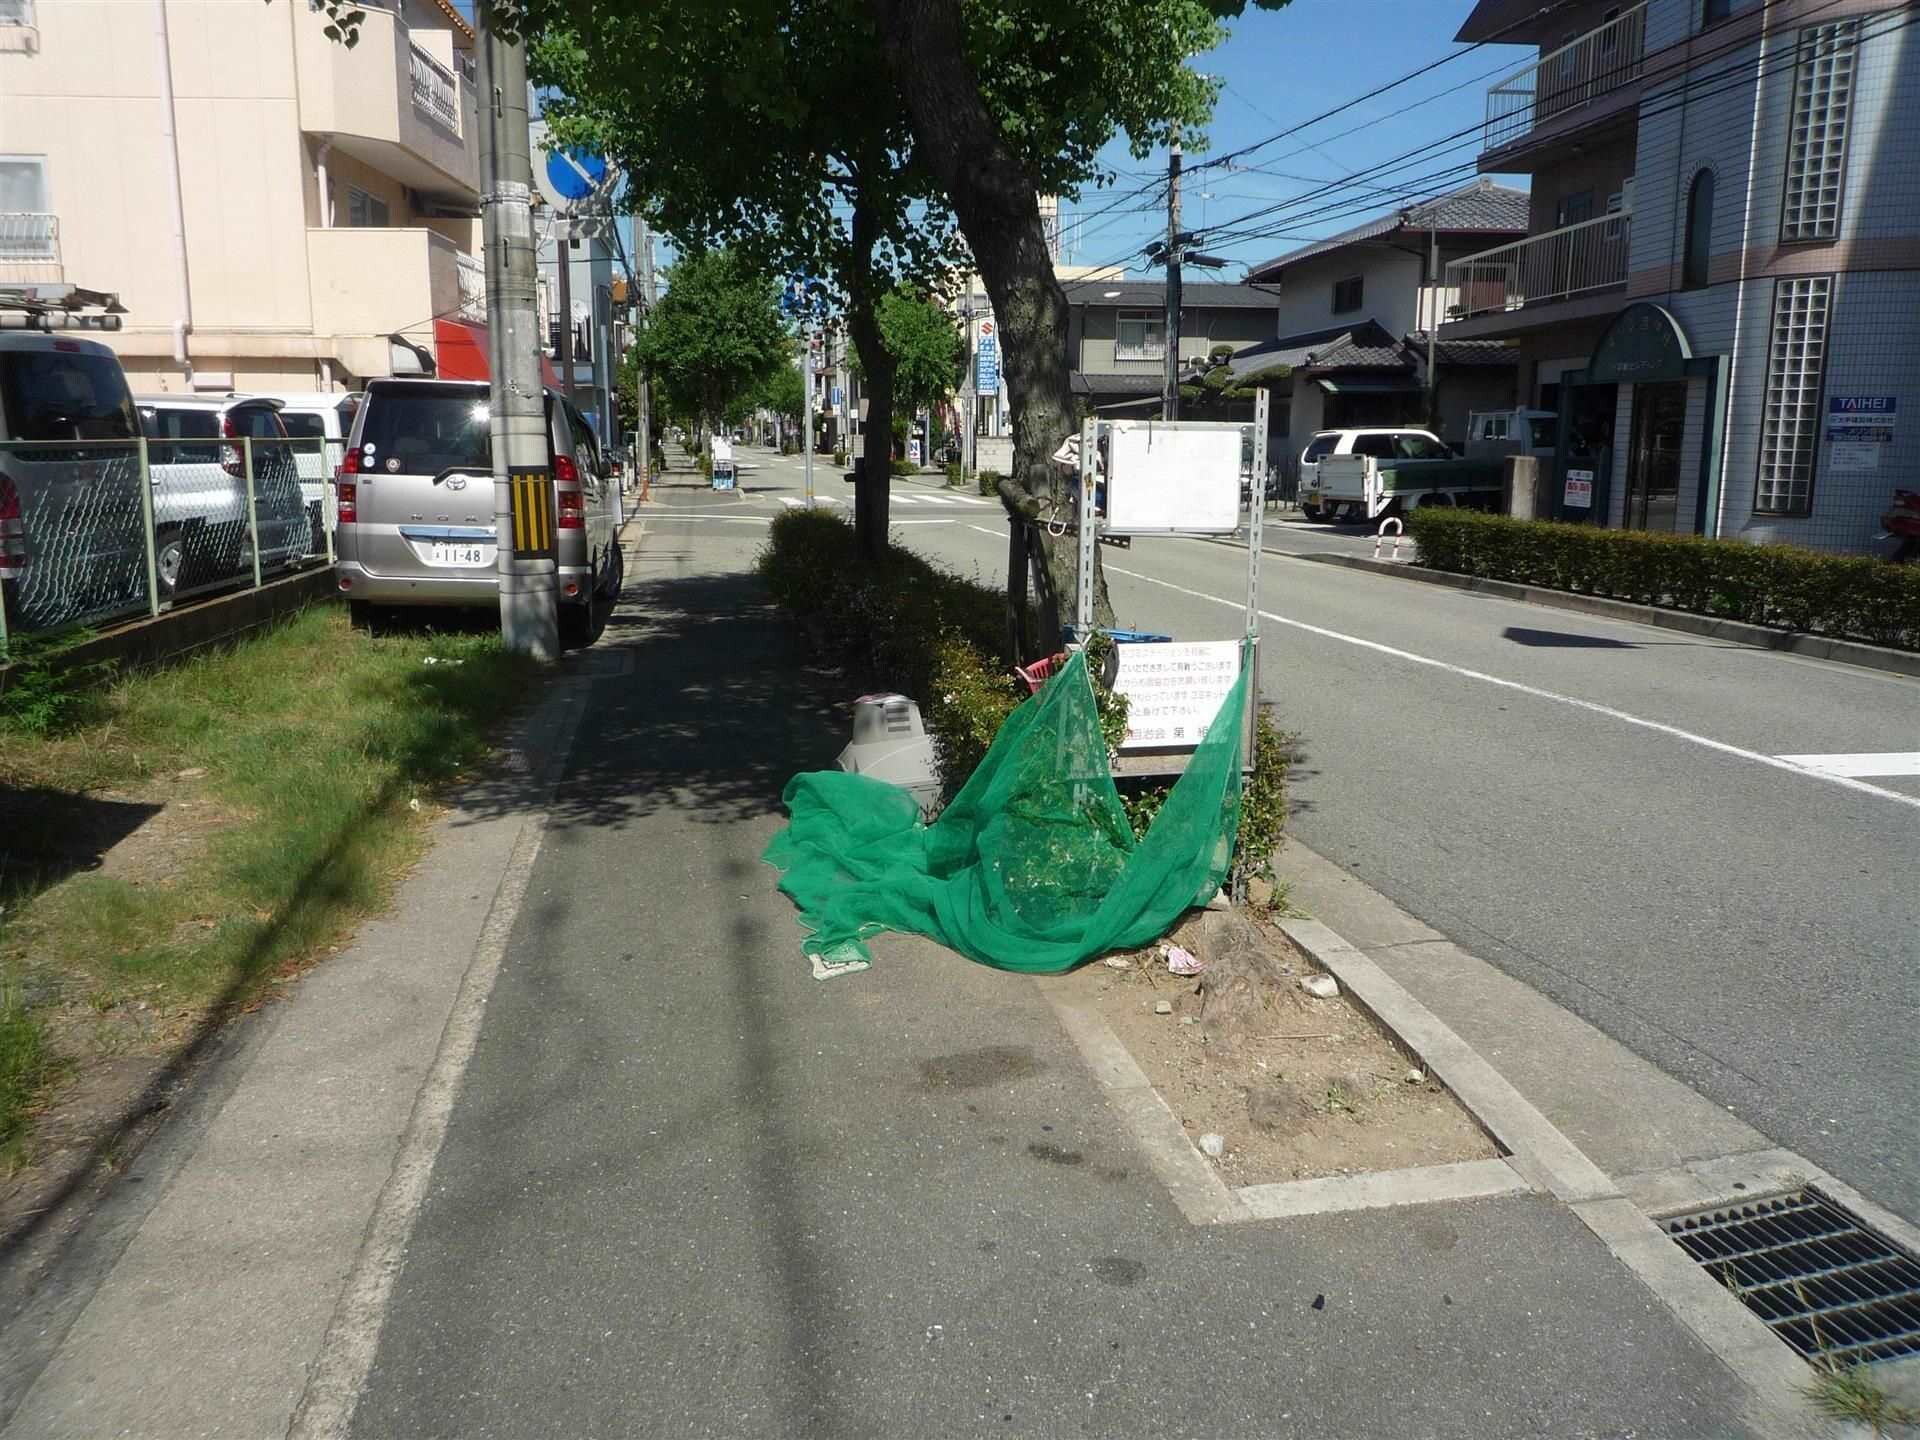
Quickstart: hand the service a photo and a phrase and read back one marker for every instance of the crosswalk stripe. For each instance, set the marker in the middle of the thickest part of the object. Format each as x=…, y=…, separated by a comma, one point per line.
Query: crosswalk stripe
x=1856, y=766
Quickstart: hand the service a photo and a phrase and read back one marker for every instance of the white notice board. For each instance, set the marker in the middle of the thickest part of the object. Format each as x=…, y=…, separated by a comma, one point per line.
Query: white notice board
x=1174, y=690
x=1180, y=477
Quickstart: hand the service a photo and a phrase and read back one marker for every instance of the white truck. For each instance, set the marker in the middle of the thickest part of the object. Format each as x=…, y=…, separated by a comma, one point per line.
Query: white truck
x=1368, y=474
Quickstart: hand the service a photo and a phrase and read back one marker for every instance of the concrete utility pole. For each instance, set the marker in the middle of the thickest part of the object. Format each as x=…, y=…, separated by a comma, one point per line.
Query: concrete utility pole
x=807, y=333
x=644, y=398
x=1170, y=403
x=523, y=501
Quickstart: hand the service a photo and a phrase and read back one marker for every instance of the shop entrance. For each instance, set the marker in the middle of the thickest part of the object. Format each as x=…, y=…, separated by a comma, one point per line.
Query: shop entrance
x=1653, y=457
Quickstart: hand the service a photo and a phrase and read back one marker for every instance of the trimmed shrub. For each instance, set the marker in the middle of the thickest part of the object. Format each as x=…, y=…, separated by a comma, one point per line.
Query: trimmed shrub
x=910, y=626
x=989, y=482
x=840, y=458
x=955, y=476
x=904, y=467
x=1785, y=586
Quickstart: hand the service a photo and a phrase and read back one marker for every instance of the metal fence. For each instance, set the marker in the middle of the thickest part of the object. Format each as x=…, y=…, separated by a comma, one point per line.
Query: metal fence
x=97, y=531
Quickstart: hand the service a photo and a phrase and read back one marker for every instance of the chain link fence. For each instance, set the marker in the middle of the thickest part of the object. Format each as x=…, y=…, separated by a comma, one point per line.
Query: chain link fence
x=97, y=531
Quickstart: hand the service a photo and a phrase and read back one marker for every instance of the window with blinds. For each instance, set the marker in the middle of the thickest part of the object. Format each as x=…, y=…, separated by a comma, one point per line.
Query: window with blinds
x=1817, y=144
x=1790, y=425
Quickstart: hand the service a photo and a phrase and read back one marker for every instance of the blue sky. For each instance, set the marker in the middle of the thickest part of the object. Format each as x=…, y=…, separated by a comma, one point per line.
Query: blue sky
x=1282, y=68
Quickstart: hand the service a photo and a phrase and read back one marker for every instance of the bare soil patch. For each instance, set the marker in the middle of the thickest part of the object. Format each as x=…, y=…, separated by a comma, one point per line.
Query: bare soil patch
x=1298, y=1086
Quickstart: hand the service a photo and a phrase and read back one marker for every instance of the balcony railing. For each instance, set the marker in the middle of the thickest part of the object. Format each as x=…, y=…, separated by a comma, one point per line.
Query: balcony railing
x=473, y=287
x=436, y=93
x=30, y=248
x=1557, y=265
x=1582, y=70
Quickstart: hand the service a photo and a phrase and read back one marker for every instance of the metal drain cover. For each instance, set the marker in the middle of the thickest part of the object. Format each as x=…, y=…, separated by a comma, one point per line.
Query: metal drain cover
x=1825, y=1281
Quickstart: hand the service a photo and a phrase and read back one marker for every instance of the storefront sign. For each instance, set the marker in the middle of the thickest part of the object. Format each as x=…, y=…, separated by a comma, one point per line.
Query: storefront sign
x=1174, y=690
x=1644, y=343
x=1579, y=495
x=986, y=361
x=1859, y=430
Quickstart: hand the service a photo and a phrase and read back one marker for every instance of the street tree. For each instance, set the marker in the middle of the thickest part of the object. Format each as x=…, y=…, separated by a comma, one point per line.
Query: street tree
x=922, y=345
x=715, y=337
x=784, y=394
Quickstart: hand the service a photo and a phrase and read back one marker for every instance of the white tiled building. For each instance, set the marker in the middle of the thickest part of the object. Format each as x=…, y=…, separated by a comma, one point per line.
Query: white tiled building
x=1721, y=283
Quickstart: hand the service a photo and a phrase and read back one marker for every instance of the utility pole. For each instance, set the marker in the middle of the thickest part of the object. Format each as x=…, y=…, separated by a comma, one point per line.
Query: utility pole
x=806, y=391
x=1170, y=404
x=642, y=383
x=1433, y=329
x=523, y=499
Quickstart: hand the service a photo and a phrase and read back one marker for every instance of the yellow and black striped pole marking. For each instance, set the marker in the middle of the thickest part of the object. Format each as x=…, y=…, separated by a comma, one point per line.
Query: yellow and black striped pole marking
x=533, y=515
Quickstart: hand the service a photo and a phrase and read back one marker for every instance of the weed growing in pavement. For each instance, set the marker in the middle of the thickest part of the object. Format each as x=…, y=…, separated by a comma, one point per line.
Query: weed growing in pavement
x=1852, y=1393
x=304, y=745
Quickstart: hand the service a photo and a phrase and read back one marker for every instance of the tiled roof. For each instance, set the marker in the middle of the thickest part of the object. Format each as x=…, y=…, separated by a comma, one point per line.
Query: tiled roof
x=1481, y=207
x=1131, y=383
x=1152, y=295
x=1363, y=352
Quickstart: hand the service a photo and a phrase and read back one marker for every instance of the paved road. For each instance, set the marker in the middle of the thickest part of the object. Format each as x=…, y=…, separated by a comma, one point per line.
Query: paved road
x=1591, y=805
x=687, y=1190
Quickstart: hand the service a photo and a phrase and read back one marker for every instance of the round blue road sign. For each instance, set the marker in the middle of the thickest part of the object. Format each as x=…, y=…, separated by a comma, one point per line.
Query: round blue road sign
x=576, y=173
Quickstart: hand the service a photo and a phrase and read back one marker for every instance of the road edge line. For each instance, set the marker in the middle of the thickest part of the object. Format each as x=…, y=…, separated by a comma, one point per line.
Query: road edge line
x=338, y=1375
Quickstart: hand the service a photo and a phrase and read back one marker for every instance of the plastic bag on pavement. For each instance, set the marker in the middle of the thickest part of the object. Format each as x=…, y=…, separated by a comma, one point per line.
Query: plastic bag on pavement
x=1033, y=866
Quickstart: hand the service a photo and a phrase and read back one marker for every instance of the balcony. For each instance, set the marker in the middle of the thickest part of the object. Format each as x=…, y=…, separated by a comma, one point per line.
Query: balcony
x=394, y=104
x=369, y=283
x=30, y=249
x=1586, y=81
x=1546, y=276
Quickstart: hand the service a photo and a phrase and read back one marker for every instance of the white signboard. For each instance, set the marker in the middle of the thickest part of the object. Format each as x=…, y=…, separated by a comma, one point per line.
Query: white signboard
x=1174, y=690
x=1579, y=495
x=1180, y=477
x=1860, y=429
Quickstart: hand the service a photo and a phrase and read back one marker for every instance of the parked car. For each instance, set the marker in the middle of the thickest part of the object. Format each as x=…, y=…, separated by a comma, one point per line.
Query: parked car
x=1496, y=434
x=414, y=497
x=197, y=464
x=1383, y=443
x=72, y=536
x=319, y=422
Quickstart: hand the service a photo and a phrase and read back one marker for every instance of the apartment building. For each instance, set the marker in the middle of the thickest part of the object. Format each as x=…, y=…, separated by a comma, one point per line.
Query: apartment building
x=1719, y=290
x=1117, y=335
x=274, y=209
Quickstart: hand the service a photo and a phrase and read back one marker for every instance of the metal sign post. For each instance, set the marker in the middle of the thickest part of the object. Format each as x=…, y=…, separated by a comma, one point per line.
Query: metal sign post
x=1087, y=534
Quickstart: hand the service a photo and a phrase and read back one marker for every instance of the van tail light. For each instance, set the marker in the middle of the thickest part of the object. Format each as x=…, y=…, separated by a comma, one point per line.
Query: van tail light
x=347, y=503
x=566, y=481
x=13, y=532
x=230, y=454
x=350, y=465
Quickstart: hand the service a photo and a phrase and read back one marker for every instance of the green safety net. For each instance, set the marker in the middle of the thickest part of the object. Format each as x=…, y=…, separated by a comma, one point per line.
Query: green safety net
x=1033, y=866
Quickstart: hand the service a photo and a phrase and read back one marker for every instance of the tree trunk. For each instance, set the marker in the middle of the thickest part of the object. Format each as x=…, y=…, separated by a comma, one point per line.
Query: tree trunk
x=874, y=488
x=993, y=199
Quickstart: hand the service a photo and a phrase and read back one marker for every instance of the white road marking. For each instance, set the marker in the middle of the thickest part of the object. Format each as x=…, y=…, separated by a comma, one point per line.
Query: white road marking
x=996, y=534
x=1772, y=762
x=1890, y=762
x=799, y=502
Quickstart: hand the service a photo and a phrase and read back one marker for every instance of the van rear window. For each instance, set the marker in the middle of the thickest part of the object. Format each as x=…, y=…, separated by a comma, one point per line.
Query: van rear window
x=61, y=395
x=426, y=429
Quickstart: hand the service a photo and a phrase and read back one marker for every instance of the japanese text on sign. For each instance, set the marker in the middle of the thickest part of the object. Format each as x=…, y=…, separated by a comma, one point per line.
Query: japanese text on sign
x=1859, y=428
x=1579, y=493
x=1174, y=690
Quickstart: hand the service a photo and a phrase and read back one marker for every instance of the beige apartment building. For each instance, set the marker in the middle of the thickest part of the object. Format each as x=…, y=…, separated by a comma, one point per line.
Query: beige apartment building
x=274, y=210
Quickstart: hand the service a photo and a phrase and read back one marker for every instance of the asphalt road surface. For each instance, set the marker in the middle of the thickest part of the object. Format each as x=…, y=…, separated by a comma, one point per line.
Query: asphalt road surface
x=1598, y=807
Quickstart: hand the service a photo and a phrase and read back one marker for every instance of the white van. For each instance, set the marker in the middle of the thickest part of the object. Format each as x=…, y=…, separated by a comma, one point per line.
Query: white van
x=319, y=421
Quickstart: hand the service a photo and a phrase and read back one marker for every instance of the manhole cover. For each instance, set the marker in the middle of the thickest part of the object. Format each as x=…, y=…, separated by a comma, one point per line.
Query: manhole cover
x=1824, y=1280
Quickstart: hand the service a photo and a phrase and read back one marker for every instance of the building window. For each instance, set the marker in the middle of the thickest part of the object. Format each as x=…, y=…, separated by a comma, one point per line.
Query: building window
x=1712, y=12
x=1347, y=294
x=16, y=12
x=1693, y=265
x=1790, y=424
x=1817, y=143
x=364, y=209
x=1140, y=335
x=26, y=221
x=1573, y=209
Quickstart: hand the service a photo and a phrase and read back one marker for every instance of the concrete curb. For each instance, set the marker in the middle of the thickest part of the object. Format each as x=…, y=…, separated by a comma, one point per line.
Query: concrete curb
x=1816, y=647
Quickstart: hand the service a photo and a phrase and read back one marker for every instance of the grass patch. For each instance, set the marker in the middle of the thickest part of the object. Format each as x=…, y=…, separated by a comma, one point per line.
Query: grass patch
x=286, y=767
x=1854, y=1394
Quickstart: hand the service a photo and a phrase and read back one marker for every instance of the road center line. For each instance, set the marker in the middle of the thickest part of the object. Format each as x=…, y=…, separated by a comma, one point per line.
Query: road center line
x=1772, y=762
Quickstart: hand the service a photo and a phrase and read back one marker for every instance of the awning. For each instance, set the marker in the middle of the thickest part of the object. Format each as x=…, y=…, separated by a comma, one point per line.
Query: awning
x=1369, y=387
x=460, y=351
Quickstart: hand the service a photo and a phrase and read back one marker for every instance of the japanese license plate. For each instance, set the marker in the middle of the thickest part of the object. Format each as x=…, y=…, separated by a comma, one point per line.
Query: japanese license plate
x=459, y=552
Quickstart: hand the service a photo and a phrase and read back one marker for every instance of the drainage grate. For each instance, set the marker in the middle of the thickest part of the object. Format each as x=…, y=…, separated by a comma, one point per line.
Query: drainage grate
x=1824, y=1281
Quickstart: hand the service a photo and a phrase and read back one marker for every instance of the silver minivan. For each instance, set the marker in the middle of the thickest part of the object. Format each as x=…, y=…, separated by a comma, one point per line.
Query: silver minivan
x=319, y=421
x=414, y=502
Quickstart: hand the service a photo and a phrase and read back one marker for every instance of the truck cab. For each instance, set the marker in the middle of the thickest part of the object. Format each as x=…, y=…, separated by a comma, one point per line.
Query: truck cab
x=1496, y=434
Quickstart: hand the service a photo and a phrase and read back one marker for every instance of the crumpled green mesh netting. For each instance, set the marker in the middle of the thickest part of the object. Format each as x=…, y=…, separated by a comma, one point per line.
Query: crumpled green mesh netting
x=1033, y=866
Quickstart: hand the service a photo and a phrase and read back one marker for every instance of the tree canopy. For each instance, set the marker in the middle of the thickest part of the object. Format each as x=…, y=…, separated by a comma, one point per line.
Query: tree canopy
x=715, y=337
x=924, y=346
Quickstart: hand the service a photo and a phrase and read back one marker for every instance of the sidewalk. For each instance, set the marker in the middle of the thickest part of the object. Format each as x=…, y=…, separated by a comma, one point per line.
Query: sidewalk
x=686, y=1189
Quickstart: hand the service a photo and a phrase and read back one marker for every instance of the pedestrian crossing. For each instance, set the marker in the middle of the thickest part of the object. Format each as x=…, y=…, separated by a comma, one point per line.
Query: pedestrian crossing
x=799, y=502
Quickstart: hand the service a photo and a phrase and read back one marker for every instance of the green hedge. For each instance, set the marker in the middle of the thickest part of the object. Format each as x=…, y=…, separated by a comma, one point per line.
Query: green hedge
x=910, y=626
x=1843, y=596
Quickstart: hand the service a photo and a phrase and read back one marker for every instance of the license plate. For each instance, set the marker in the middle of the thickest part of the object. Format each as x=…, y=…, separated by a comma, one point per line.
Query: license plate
x=447, y=552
